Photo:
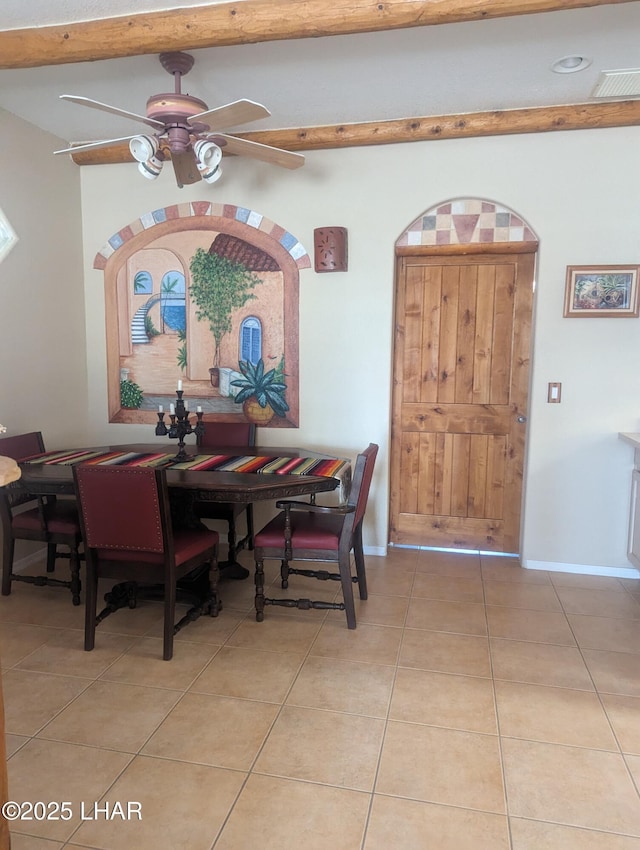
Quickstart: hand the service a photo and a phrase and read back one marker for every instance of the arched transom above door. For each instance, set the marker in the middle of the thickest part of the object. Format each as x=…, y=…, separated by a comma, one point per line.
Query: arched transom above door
x=466, y=220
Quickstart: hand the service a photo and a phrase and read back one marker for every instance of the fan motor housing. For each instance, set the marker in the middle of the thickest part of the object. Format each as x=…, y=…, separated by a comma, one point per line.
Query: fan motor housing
x=174, y=108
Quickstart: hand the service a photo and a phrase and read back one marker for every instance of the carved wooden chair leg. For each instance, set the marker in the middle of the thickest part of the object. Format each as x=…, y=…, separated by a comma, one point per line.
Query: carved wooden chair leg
x=347, y=591
x=169, y=618
x=76, y=585
x=231, y=540
x=214, y=575
x=250, y=529
x=284, y=574
x=90, y=609
x=51, y=557
x=8, y=550
x=259, y=581
x=358, y=555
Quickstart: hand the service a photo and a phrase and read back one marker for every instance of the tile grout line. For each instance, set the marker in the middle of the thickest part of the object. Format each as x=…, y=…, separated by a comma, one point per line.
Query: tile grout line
x=497, y=714
x=386, y=719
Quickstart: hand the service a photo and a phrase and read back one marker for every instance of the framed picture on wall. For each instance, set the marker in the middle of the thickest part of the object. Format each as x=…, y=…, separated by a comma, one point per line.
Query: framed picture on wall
x=593, y=291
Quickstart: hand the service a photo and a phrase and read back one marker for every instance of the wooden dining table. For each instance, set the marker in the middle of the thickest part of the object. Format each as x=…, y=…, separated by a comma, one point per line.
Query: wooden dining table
x=191, y=485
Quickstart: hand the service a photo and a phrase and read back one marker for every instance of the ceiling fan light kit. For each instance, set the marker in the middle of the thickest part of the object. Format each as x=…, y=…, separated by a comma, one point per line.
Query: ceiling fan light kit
x=151, y=168
x=209, y=157
x=187, y=131
x=145, y=149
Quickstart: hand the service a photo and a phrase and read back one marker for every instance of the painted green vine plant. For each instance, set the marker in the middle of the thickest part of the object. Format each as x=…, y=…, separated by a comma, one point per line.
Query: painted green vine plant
x=218, y=287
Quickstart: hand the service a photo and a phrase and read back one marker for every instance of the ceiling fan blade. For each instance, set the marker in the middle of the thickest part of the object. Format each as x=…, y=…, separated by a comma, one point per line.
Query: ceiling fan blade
x=92, y=146
x=114, y=110
x=266, y=153
x=185, y=168
x=238, y=112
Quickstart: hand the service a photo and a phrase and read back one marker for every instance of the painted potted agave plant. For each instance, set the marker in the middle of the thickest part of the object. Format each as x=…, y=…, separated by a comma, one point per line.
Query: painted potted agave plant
x=261, y=393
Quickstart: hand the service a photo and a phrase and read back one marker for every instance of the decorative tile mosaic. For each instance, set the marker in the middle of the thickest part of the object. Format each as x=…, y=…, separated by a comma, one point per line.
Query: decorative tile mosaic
x=201, y=208
x=464, y=221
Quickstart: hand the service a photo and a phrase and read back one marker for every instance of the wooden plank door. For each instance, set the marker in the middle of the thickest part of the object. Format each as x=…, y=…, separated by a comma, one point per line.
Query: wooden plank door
x=461, y=376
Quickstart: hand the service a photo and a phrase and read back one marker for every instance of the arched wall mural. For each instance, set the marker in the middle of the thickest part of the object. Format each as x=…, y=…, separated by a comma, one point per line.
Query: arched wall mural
x=206, y=294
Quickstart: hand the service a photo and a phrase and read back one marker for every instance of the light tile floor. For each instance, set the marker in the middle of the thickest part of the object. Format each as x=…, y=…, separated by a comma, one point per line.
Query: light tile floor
x=477, y=705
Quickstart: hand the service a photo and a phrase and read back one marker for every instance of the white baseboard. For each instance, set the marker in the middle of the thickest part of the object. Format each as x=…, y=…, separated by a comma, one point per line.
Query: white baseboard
x=375, y=550
x=550, y=566
x=582, y=569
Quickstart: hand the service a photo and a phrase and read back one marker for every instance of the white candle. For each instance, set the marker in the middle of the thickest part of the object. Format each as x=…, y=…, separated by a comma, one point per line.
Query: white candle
x=160, y=409
x=172, y=408
x=179, y=385
x=199, y=409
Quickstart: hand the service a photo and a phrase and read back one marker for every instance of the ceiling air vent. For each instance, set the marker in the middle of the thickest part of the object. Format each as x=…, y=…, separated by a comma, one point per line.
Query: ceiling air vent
x=625, y=83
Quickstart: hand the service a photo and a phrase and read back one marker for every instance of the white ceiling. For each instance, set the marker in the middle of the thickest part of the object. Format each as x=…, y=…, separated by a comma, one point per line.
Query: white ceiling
x=435, y=70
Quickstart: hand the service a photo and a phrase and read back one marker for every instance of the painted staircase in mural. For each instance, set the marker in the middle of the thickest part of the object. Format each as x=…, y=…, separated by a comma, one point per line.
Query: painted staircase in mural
x=139, y=333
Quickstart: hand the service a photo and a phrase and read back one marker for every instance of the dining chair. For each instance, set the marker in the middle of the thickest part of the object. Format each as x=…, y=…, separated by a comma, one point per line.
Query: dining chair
x=46, y=519
x=232, y=435
x=309, y=532
x=126, y=524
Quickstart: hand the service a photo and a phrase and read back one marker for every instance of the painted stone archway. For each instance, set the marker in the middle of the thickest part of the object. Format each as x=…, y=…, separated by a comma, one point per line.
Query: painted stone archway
x=190, y=291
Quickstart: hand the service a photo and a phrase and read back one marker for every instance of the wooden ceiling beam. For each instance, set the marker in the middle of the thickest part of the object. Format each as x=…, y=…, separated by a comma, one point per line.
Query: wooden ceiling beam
x=466, y=125
x=248, y=22
x=586, y=116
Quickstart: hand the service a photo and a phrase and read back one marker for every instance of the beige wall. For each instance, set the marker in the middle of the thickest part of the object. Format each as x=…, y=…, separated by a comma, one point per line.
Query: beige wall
x=579, y=192
x=43, y=373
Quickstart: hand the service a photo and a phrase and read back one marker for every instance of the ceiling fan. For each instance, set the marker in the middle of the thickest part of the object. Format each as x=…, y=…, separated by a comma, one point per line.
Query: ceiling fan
x=187, y=131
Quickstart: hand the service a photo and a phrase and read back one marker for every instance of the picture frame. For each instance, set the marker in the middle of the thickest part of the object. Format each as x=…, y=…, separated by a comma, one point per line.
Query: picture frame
x=601, y=291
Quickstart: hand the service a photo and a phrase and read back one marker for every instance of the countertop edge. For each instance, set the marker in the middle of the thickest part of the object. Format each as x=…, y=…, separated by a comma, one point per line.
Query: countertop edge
x=632, y=439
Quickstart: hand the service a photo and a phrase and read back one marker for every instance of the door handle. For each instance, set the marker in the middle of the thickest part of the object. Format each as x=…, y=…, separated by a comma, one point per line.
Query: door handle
x=521, y=419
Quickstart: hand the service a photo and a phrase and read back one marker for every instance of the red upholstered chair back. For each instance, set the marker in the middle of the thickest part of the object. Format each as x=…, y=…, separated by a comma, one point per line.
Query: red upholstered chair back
x=122, y=507
x=228, y=434
x=22, y=445
x=124, y=511
x=362, y=476
x=19, y=447
x=231, y=435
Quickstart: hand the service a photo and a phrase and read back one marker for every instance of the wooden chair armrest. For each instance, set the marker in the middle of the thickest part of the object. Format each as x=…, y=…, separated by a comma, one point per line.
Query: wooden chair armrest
x=289, y=506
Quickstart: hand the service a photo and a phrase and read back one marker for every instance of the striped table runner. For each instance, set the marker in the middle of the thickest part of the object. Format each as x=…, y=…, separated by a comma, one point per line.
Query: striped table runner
x=70, y=458
x=265, y=465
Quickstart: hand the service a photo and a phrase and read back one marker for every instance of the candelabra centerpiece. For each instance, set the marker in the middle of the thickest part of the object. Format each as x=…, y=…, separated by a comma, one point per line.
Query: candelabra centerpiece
x=179, y=425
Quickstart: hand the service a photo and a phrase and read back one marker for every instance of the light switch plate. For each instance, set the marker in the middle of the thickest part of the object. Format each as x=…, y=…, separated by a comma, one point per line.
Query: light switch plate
x=554, y=393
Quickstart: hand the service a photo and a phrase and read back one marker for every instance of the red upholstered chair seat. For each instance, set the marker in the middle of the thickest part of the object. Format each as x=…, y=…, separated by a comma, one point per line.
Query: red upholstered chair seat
x=61, y=518
x=49, y=520
x=310, y=533
x=186, y=545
